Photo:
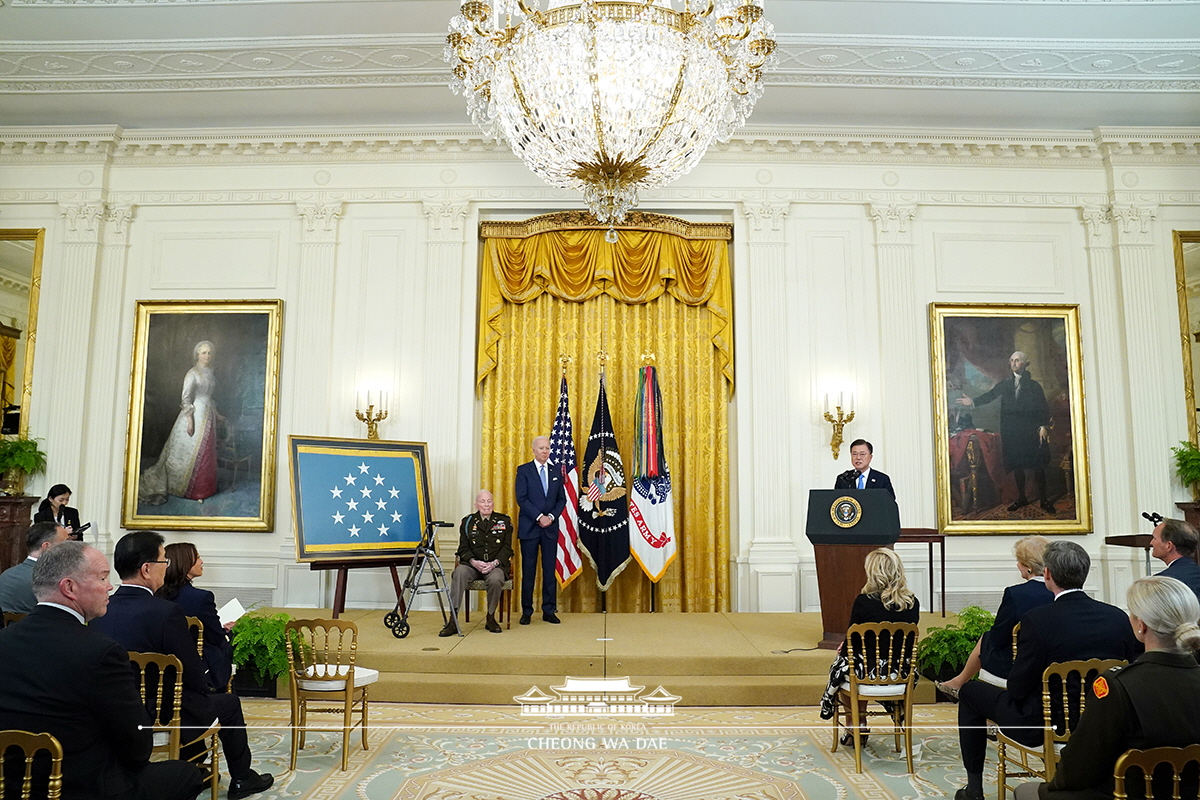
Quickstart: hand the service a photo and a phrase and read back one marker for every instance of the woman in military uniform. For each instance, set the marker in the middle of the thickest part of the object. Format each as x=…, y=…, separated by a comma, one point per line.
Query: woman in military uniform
x=484, y=551
x=1153, y=702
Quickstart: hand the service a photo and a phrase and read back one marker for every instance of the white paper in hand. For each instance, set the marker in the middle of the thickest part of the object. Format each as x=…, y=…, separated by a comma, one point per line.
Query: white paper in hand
x=230, y=612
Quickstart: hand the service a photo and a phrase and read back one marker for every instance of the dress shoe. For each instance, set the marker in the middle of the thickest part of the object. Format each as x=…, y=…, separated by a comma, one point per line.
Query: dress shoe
x=1020, y=502
x=949, y=691
x=253, y=783
x=524, y=620
x=966, y=794
x=551, y=618
x=1047, y=506
x=449, y=630
x=492, y=625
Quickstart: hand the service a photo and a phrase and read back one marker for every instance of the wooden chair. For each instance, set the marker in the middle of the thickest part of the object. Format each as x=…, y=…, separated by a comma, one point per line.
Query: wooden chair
x=1064, y=695
x=505, y=607
x=10, y=617
x=321, y=654
x=160, y=684
x=30, y=744
x=196, y=629
x=1146, y=762
x=886, y=651
x=996, y=680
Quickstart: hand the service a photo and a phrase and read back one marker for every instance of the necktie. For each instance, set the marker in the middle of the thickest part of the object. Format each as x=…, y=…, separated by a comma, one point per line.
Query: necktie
x=545, y=482
x=862, y=480
x=1016, y=387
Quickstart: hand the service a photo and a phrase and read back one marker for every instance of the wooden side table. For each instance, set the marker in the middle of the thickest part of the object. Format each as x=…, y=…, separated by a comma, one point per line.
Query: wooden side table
x=15, y=519
x=932, y=537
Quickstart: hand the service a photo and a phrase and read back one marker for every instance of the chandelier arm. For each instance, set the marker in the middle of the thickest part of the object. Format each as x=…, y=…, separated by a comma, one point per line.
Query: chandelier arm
x=520, y=93
x=670, y=110
x=594, y=80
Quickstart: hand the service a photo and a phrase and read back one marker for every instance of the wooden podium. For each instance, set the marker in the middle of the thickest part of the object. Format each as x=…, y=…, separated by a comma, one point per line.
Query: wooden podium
x=845, y=525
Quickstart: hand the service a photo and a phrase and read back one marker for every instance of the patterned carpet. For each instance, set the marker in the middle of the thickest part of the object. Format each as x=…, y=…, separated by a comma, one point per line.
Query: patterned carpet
x=425, y=752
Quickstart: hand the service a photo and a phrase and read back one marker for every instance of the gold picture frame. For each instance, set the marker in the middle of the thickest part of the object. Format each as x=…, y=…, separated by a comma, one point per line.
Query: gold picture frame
x=186, y=449
x=1011, y=454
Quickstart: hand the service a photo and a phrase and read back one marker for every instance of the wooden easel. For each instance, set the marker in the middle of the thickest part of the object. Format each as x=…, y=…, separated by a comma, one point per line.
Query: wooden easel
x=343, y=567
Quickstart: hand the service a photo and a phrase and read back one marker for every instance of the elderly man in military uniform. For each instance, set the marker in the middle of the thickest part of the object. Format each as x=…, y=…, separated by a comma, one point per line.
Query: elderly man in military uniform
x=484, y=550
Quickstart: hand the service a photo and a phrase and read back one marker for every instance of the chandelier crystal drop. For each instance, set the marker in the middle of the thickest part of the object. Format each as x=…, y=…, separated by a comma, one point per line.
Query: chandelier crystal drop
x=609, y=98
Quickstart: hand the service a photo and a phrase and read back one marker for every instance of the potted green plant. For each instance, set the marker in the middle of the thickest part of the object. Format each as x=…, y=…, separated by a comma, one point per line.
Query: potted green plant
x=1187, y=466
x=20, y=456
x=260, y=652
x=943, y=652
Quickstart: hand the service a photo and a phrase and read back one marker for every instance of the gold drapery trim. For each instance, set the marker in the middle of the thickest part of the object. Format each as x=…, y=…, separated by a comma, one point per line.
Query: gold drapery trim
x=576, y=265
x=519, y=400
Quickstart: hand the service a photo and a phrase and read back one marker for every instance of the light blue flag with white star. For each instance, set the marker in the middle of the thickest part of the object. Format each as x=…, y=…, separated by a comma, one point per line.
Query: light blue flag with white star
x=357, y=498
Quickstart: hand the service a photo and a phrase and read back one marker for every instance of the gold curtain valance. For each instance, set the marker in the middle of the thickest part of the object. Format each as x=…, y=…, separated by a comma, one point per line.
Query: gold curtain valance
x=652, y=256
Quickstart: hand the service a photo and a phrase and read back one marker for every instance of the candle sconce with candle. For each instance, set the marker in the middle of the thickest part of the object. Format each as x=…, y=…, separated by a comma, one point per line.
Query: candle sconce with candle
x=370, y=416
x=838, y=422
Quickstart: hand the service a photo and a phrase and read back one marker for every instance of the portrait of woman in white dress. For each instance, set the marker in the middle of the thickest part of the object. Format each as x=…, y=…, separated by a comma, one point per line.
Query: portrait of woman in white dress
x=187, y=467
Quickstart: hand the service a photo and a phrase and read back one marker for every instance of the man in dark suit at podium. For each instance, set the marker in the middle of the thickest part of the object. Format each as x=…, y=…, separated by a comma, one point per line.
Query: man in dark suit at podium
x=541, y=498
x=1174, y=543
x=862, y=476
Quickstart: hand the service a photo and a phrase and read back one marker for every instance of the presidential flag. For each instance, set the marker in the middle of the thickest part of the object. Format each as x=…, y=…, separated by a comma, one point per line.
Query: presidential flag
x=651, y=508
x=568, y=563
x=604, y=510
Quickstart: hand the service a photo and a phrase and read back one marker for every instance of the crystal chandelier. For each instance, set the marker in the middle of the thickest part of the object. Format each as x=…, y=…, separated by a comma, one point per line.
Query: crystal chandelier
x=606, y=97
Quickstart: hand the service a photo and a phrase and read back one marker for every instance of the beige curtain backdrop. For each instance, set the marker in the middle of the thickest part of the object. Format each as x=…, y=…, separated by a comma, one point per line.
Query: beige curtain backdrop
x=553, y=286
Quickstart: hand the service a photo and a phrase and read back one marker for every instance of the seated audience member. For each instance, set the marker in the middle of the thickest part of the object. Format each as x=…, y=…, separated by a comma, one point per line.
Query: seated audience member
x=1174, y=543
x=1153, y=702
x=144, y=623
x=993, y=652
x=186, y=565
x=484, y=551
x=59, y=676
x=55, y=509
x=885, y=598
x=16, y=582
x=1073, y=627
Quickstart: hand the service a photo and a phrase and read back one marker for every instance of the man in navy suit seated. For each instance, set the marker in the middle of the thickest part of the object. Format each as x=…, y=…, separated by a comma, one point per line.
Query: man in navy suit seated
x=1174, y=543
x=862, y=476
x=541, y=498
x=141, y=622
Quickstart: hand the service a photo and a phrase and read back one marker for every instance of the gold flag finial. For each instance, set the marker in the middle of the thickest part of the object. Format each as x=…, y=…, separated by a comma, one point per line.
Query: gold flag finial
x=602, y=357
x=647, y=358
x=564, y=360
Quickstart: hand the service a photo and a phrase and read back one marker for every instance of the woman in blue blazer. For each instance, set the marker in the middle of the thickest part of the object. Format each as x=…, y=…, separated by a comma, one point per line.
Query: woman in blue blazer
x=994, y=651
x=186, y=564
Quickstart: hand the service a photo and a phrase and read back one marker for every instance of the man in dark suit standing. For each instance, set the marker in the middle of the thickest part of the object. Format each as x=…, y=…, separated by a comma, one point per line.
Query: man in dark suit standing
x=59, y=676
x=541, y=498
x=862, y=476
x=144, y=623
x=1174, y=543
x=16, y=582
x=1073, y=627
x=1024, y=428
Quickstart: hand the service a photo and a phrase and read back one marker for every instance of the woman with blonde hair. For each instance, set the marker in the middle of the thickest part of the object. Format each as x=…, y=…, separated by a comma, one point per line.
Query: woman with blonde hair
x=1153, y=702
x=885, y=598
x=994, y=652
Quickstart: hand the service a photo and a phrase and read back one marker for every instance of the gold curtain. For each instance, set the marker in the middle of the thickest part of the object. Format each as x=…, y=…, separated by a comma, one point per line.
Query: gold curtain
x=567, y=291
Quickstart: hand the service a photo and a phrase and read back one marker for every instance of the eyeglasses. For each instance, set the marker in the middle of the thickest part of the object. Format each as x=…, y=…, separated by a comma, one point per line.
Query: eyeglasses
x=157, y=562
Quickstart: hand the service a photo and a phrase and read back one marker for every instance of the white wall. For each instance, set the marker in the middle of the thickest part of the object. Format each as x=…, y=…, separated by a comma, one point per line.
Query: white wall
x=841, y=242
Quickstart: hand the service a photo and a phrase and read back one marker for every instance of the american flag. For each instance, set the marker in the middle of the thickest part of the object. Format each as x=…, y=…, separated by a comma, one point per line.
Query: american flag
x=568, y=564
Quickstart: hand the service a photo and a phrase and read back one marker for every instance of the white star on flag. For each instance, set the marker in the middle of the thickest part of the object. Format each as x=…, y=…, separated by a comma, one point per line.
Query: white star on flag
x=354, y=529
x=380, y=504
x=336, y=491
x=337, y=518
x=378, y=480
x=368, y=517
x=350, y=480
x=396, y=516
x=363, y=468
x=394, y=492
x=383, y=530
x=366, y=492
x=352, y=505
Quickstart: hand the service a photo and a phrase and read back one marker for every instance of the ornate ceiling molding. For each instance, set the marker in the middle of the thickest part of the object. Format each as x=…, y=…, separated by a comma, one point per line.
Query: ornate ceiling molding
x=416, y=60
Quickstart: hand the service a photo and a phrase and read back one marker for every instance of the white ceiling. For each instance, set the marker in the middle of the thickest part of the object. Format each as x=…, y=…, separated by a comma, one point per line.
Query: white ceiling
x=995, y=64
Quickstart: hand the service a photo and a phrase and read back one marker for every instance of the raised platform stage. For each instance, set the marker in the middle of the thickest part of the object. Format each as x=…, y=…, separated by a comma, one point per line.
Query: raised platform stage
x=707, y=659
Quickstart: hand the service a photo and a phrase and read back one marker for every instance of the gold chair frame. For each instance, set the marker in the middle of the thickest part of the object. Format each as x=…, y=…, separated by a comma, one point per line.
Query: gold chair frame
x=1010, y=751
x=901, y=639
x=1147, y=760
x=321, y=653
x=196, y=629
x=31, y=744
x=10, y=617
x=172, y=725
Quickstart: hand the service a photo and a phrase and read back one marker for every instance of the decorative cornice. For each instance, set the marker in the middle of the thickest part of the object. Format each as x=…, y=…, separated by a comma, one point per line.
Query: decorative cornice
x=444, y=220
x=892, y=222
x=416, y=60
x=582, y=220
x=765, y=220
x=320, y=221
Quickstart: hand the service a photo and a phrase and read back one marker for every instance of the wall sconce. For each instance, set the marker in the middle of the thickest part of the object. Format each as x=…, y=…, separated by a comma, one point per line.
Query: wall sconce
x=371, y=417
x=835, y=443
